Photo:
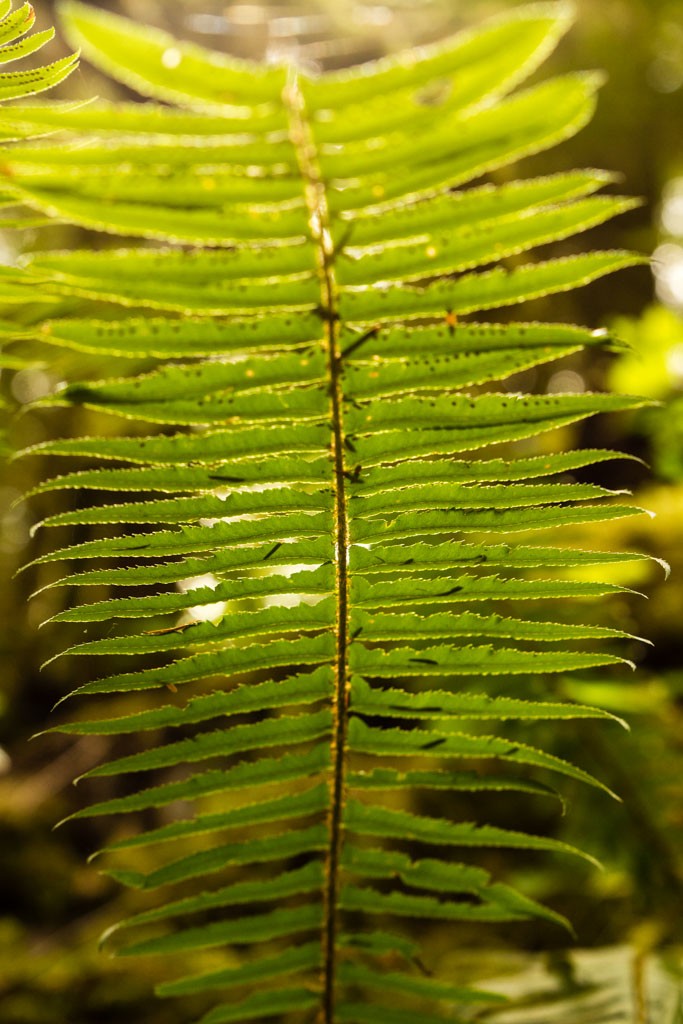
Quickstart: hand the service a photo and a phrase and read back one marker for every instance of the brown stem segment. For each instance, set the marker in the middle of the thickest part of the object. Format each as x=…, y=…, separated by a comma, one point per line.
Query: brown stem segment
x=319, y=224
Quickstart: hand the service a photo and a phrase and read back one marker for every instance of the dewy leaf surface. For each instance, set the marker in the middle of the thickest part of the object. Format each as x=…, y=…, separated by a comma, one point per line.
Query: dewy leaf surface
x=329, y=578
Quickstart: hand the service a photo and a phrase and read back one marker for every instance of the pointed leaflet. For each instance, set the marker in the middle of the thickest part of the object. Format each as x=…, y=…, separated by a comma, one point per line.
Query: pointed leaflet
x=177, y=337
x=256, y=928
x=459, y=209
x=175, y=266
x=366, y=820
x=303, y=689
x=299, y=880
x=166, y=223
x=376, y=625
x=275, y=471
x=242, y=558
x=226, y=663
x=528, y=36
x=318, y=581
x=215, y=859
x=479, y=291
x=261, y=1004
x=179, y=449
x=443, y=743
x=135, y=55
x=244, y=775
x=127, y=118
x=396, y=703
x=268, y=623
x=438, y=253
x=292, y=806
x=291, y=960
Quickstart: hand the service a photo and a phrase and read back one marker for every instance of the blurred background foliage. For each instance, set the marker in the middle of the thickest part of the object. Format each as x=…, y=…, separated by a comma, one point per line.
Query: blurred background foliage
x=629, y=917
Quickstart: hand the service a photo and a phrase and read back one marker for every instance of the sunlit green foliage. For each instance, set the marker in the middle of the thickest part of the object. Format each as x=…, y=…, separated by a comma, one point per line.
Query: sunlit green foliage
x=334, y=494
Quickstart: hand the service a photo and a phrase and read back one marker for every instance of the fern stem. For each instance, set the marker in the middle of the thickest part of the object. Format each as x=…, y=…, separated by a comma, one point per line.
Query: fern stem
x=319, y=224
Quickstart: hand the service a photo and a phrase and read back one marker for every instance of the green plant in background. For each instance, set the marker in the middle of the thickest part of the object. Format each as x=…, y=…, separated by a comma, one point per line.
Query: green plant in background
x=344, y=564
x=15, y=43
x=655, y=360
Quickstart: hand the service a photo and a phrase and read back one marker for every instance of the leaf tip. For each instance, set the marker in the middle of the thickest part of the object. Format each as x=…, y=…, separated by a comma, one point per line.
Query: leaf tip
x=106, y=935
x=63, y=821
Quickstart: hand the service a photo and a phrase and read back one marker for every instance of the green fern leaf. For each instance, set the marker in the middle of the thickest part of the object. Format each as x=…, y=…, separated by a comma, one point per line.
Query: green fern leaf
x=317, y=477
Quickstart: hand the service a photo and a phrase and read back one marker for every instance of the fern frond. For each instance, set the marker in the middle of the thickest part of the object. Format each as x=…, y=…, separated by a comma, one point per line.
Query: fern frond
x=336, y=474
x=15, y=44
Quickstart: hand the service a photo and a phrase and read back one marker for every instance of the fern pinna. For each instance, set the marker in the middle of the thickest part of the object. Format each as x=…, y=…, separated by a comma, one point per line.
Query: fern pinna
x=316, y=435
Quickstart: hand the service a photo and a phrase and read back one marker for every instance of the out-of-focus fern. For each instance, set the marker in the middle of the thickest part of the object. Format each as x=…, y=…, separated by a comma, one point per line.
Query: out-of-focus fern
x=15, y=43
x=366, y=623
x=615, y=985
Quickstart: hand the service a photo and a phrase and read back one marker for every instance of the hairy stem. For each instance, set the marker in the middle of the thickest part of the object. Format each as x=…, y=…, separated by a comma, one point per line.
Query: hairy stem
x=319, y=224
